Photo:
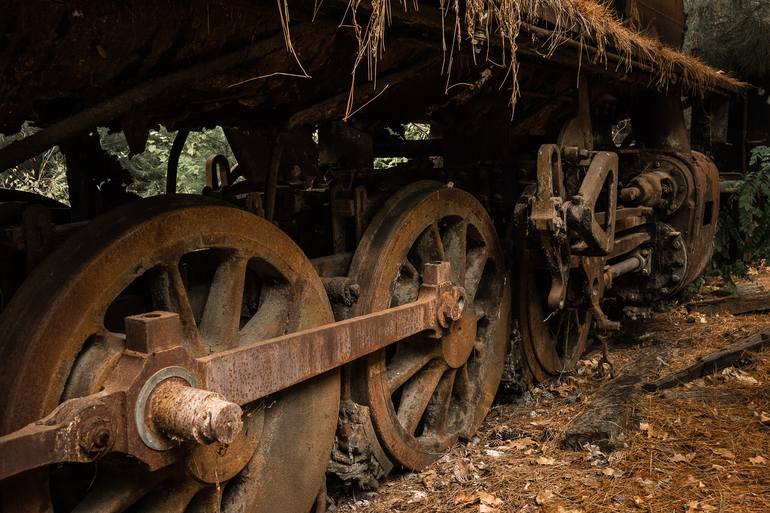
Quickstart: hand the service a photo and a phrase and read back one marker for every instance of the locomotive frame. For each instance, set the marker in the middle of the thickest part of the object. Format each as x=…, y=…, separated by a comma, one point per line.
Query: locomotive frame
x=199, y=353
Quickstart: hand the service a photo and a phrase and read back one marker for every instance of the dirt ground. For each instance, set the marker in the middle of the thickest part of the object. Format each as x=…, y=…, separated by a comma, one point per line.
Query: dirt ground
x=704, y=446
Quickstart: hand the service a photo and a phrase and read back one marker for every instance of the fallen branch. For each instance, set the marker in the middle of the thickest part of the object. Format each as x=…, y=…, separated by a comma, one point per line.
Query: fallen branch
x=714, y=362
x=612, y=411
x=749, y=298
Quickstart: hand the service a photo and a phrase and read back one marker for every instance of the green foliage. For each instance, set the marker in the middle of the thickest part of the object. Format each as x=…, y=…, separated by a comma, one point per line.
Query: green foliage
x=43, y=175
x=406, y=132
x=743, y=232
x=46, y=173
x=149, y=168
x=731, y=35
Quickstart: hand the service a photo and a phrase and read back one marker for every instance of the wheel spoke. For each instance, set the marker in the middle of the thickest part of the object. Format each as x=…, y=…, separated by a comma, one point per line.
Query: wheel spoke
x=410, y=357
x=207, y=501
x=463, y=385
x=114, y=493
x=476, y=263
x=179, y=302
x=172, y=497
x=437, y=413
x=222, y=314
x=436, y=234
x=456, y=244
x=417, y=393
x=427, y=248
x=272, y=317
x=406, y=288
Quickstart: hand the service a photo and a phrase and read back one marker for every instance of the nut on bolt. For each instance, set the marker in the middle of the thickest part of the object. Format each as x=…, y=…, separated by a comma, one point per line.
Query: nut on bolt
x=451, y=306
x=96, y=437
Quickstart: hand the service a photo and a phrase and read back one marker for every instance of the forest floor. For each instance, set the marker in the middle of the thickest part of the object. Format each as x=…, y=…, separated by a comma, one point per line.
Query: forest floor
x=703, y=446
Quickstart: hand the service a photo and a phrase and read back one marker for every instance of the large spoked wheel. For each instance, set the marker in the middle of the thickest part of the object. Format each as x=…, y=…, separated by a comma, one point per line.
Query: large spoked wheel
x=425, y=393
x=230, y=276
x=552, y=341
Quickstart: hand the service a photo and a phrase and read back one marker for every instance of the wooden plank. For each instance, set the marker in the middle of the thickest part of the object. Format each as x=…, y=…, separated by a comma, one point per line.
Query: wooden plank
x=751, y=297
x=612, y=412
x=714, y=362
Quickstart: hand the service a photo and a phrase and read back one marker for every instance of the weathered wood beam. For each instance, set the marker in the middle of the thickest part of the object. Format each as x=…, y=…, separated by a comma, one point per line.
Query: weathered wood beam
x=748, y=298
x=612, y=412
x=714, y=362
x=115, y=107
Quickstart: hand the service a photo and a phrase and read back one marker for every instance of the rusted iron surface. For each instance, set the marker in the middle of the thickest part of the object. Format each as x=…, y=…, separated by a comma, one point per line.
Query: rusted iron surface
x=265, y=367
x=157, y=376
x=80, y=431
x=423, y=393
x=162, y=242
x=184, y=413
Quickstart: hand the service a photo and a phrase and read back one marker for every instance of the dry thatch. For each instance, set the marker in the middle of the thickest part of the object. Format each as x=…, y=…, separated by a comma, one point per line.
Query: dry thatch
x=590, y=22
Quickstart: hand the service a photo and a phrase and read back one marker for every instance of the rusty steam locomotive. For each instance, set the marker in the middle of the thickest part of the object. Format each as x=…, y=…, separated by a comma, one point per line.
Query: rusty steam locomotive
x=208, y=353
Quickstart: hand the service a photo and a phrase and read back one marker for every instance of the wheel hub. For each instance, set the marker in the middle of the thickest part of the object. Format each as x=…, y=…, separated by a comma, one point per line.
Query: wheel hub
x=457, y=345
x=229, y=276
x=218, y=462
x=427, y=391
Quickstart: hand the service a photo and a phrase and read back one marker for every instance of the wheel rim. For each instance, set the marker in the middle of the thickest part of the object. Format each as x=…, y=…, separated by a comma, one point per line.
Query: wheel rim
x=163, y=251
x=425, y=393
x=552, y=341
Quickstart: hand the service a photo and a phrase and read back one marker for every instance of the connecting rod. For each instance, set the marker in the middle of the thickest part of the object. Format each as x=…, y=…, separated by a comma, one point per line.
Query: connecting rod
x=160, y=397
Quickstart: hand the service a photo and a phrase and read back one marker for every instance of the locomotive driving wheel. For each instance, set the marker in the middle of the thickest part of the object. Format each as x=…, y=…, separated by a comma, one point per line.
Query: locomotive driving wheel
x=231, y=277
x=552, y=340
x=424, y=393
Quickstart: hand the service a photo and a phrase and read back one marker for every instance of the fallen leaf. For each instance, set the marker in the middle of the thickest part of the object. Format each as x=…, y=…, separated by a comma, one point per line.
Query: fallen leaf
x=678, y=458
x=739, y=375
x=725, y=453
x=611, y=472
x=522, y=443
x=493, y=453
x=429, y=478
x=489, y=499
x=543, y=460
x=699, y=506
x=561, y=509
x=764, y=418
x=484, y=508
x=543, y=497
x=460, y=472
x=758, y=460
x=464, y=498
x=644, y=426
x=418, y=496
x=719, y=468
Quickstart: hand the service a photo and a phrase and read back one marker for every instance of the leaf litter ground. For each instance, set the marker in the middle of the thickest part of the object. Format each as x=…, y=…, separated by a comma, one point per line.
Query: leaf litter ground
x=704, y=446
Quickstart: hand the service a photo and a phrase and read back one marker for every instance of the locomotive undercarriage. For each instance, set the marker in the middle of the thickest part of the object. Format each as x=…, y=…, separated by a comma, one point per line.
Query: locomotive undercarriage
x=208, y=353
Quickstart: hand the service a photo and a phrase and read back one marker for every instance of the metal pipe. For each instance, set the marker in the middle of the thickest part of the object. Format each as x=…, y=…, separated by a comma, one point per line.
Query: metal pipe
x=629, y=265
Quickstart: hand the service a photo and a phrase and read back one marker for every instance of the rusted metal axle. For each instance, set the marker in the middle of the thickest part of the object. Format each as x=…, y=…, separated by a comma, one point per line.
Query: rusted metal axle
x=154, y=403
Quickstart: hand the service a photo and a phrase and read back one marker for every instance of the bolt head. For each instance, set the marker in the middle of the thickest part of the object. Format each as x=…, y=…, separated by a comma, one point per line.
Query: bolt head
x=97, y=438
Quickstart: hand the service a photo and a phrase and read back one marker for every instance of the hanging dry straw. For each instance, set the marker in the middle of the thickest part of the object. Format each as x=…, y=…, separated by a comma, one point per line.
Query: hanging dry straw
x=589, y=22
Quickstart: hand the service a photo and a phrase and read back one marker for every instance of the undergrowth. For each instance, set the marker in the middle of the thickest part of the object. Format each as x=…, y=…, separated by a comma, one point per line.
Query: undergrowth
x=743, y=232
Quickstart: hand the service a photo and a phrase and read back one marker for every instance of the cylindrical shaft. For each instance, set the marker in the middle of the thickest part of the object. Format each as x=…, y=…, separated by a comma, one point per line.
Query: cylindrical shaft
x=185, y=413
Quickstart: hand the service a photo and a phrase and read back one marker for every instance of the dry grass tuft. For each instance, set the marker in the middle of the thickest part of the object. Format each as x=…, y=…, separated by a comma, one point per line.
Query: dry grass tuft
x=587, y=21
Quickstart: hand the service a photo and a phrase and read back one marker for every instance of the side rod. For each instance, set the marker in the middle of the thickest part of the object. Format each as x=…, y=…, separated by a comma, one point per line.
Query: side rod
x=85, y=429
